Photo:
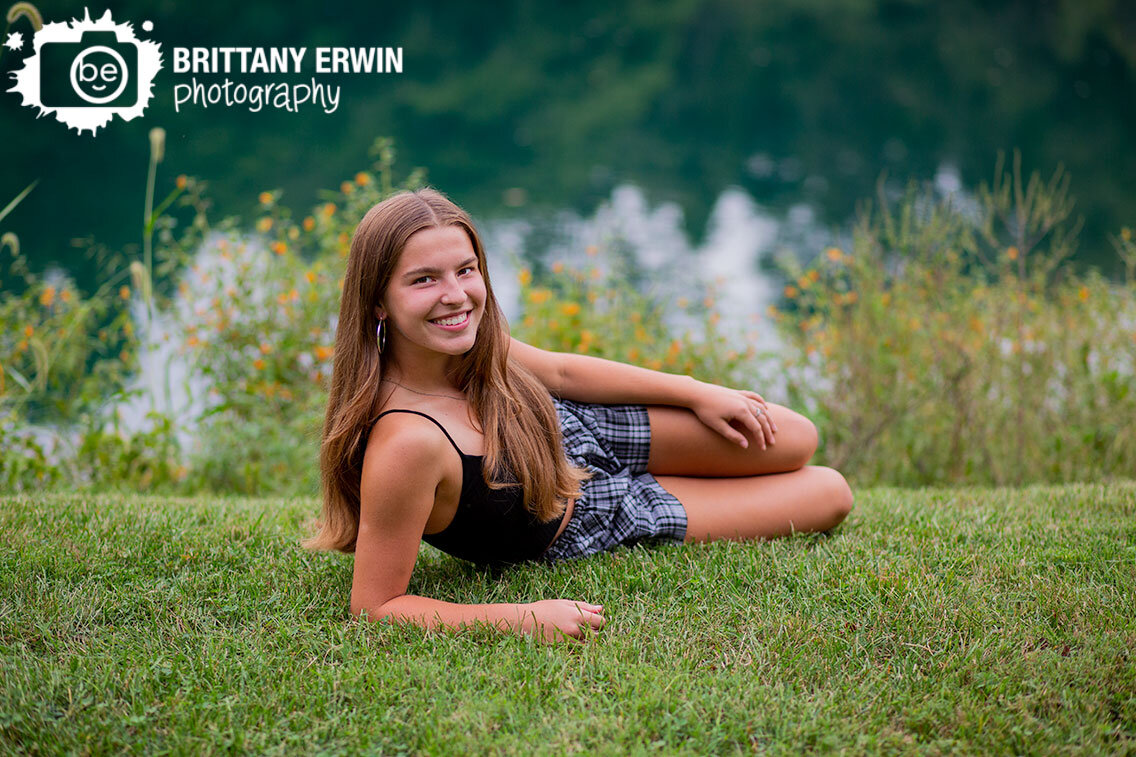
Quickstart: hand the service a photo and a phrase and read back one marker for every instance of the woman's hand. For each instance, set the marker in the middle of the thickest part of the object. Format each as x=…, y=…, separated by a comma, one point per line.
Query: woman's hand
x=717, y=405
x=552, y=618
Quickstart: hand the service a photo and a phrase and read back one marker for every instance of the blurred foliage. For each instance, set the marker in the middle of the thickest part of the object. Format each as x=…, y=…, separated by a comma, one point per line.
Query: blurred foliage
x=793, y=100
x=949, y=344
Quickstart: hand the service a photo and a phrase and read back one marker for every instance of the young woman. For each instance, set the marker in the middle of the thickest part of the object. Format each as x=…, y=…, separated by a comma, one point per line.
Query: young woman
x=441, y=427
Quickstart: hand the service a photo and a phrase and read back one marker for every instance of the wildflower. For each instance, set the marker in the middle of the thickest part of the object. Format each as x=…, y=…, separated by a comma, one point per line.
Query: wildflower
x=558, y=267
x=309, y=223
x=323, y=353
x=524, y=276
x=258, y=364
x=265, y=198
x=586, y=336
x=328, y=209
x=803, y=282
x=48, y=296
x=23, y=345
x=311, y=277
x=814, y=275
x=65, y=295
x=850, y=298
x=192, y=342
x=264, y=224
x=279, y=248
x=674, y=349
x=655, y=364
x=529, y=321
x=539, y=296
x=28, y=331
x=834, y=254
x=1083, y=294
x=591, y=250
x=1012, y=253
x=772, y=311
x=265, y=348
x=182, y=181
x=346, y=187
x=570, y=308
x=791, y=292
x=344, y=237
x=362, y=178
x=633, y=355
x=124, y=292
x=293, y=233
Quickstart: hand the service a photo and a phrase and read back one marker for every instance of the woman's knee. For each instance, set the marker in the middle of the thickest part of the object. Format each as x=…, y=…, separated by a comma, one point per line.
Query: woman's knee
x=801, y=434
x=837, y=497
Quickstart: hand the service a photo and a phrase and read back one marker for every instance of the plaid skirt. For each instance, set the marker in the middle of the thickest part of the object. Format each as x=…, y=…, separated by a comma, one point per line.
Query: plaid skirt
x=622, y=503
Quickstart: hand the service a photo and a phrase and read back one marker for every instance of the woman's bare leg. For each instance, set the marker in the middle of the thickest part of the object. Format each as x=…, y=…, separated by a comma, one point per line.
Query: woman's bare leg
x=682, y=445
x=813, y=498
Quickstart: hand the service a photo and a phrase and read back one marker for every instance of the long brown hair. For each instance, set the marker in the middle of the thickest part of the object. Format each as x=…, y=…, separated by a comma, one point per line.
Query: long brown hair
x=515, y=410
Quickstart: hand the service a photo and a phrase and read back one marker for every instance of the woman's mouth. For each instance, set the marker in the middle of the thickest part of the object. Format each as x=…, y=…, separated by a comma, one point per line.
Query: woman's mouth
x=453, y=322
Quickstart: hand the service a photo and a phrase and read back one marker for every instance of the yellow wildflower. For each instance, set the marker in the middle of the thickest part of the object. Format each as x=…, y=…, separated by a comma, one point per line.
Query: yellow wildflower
x=192, y=341
x=28, y=331
x=791, y=292
x=803, y=282
x=1083, y=294
x=124, y=292
x=323, y=353
x=48, y=296
x=329, y=209
x=834, y=254
x=279, y=248
x=814, y=275
x=362, y=178
x=264, y=224
x=265, y=198
x=311, y=277
x=539, y=296
x=293, y=233
x=570, y=308
x=346, y=187
x=524, y=276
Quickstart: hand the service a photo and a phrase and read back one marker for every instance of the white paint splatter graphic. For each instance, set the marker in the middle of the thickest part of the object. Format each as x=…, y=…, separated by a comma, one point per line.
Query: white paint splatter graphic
x=15, y=41
x=84, y=74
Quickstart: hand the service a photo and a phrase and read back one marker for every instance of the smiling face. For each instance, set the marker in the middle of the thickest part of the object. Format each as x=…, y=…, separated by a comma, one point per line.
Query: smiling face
x=436, y=298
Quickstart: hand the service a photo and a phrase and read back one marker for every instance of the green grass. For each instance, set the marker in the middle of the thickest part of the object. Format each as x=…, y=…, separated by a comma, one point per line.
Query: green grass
x=934, y=620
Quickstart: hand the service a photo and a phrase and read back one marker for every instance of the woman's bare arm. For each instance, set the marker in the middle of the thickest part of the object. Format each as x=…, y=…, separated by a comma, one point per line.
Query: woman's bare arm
x=591, y=379
x=400, y=475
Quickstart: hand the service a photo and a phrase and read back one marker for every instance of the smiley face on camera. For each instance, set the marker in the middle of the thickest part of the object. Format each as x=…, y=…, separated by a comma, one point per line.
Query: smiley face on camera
x=97, y=71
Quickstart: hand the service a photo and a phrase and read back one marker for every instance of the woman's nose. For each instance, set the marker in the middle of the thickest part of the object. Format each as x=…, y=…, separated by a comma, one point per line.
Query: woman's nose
x=452, y=291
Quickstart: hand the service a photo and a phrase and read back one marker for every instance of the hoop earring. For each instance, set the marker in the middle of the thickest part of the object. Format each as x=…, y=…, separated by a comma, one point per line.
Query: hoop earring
x=382, y=334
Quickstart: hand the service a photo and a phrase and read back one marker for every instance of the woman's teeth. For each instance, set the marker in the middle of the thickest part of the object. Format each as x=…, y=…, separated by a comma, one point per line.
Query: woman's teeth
x=452, y=321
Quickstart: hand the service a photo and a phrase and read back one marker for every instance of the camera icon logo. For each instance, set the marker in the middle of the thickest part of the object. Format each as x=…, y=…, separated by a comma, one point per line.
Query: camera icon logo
x=86, y=72
x=97, y=70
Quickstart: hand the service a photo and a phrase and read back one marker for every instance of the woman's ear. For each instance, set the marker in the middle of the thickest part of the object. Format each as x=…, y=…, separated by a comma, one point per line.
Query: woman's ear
x=379, y=312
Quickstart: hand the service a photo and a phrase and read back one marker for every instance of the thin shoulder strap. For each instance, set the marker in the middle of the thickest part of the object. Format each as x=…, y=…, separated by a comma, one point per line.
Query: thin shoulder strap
x=439, y=425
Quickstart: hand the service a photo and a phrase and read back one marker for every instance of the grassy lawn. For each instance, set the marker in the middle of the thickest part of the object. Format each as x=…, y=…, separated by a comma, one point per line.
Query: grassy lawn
x=970, y=620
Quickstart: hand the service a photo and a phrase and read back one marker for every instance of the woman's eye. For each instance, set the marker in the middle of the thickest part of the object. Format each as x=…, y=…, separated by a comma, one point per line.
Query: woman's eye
x=469, y=268
x=421, y=278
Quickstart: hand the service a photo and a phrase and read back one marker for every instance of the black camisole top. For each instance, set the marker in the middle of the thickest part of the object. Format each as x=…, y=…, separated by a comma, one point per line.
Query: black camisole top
x=490, y=527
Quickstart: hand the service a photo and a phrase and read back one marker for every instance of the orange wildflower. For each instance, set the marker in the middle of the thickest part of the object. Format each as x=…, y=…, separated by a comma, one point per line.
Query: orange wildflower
x=279, y=248
x=258, y=364
x=265, y=198
x=48, y=296
x=323, y=353
x=309, y=223
x=182, y=181
x=362, y=178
